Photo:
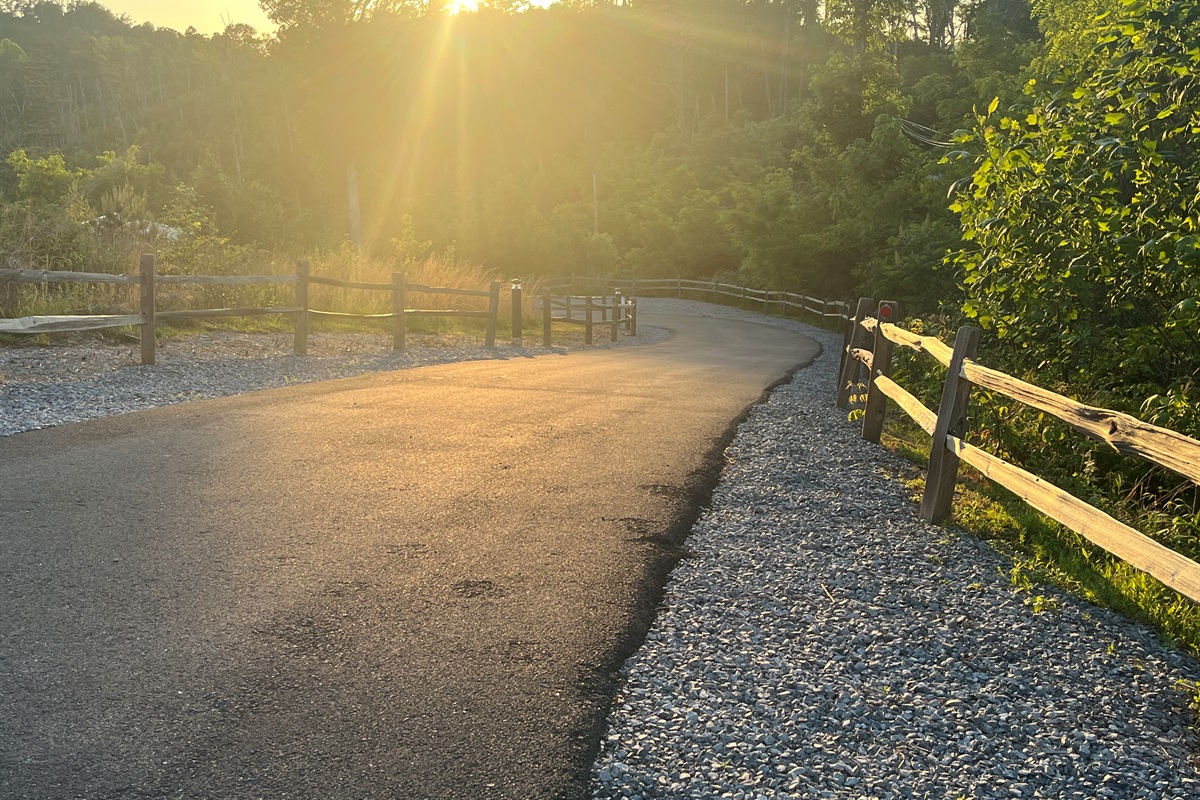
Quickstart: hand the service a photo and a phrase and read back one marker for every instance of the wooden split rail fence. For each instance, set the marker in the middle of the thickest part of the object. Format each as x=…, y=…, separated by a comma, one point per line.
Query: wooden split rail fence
x=711, y=290
x=614, y=300
x=870, y=339
x=615, y=311
x=301, y=311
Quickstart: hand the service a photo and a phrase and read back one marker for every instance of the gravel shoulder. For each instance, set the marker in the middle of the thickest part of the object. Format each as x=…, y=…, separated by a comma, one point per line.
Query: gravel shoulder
x=819, y=640
x=72, y=380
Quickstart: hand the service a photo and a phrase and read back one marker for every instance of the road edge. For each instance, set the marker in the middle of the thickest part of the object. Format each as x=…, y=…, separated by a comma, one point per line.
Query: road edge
x=602, y=687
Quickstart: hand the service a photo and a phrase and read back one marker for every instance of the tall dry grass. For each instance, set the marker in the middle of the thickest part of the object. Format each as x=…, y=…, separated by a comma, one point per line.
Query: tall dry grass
x=193, y=257
x=433, y=272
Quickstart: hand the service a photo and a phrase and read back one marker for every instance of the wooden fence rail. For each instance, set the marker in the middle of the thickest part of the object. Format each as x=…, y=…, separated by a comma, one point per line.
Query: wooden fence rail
x=50, y=276
x=614, y=312
x=703, y=290
x=225, y=280
x=947, y=429
x=300, y=310
x=51, y=324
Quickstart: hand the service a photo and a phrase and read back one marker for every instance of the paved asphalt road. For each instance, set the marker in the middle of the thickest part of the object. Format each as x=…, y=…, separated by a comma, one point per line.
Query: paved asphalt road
x=416, y=584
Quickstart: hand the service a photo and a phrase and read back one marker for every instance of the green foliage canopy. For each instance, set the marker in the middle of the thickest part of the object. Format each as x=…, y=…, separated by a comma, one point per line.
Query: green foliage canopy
x=721, y=136
x=1081, y=217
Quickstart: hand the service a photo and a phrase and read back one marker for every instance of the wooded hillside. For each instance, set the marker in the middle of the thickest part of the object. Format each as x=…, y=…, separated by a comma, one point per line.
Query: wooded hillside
x=797, y=142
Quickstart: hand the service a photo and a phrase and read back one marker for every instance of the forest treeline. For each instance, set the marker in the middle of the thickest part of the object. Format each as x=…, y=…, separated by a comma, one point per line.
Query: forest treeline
x=796, y=142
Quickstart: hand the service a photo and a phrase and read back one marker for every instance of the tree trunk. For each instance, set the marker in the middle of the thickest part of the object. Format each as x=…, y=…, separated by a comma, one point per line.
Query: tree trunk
x=680, y=98
x=727, y=90
x=783, y=61
x=355, y=209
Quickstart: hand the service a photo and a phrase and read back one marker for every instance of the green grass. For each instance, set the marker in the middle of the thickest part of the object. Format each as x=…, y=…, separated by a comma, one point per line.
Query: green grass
x=1044, y=552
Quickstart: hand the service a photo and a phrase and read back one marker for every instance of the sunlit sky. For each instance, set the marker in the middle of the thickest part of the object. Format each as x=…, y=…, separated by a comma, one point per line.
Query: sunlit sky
x=210, y=16
x=206, y=16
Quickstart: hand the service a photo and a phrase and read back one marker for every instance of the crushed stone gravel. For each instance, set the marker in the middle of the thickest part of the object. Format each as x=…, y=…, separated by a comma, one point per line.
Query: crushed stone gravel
x=88, y=377
x=820, y=641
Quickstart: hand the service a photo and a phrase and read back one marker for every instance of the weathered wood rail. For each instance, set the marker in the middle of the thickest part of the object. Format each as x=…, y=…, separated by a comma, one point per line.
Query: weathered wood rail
x=401, y=291
x=300, y=310
x=615, y=311
x=869, y=341
x=712, y=290
x=615, y=301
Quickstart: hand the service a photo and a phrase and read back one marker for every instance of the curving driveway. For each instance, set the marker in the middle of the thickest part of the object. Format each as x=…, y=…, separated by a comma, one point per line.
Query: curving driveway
x=415, y=584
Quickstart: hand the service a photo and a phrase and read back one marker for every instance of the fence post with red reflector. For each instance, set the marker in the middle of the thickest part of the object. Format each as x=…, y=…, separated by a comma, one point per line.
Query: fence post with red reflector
x=889, y=311
x=881, y=364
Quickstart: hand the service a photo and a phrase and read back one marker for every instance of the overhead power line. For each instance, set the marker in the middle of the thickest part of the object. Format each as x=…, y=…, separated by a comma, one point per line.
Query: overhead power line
x=924, y=135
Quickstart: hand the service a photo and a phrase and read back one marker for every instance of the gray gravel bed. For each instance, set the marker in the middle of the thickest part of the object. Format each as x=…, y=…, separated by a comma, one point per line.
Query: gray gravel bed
x=46, y=385
x=820, y=641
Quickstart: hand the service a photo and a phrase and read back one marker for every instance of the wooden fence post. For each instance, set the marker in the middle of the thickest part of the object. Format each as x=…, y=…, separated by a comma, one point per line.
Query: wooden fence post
x=767, y=301
x=633, y=316
x=300, y=343
x=398, y=303
x=149, y=339
x=951, y=420
x=881, y=364
x=493, y=312
x=587, y=325
x=678, y=287
x=847, y=335
x=714, y=291
x=517, y=339
x=853, y=337
x=614, y=320
x=546, y=314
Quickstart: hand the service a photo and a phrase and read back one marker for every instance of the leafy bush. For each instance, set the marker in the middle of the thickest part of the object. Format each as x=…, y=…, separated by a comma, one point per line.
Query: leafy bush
x=1082, y=221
